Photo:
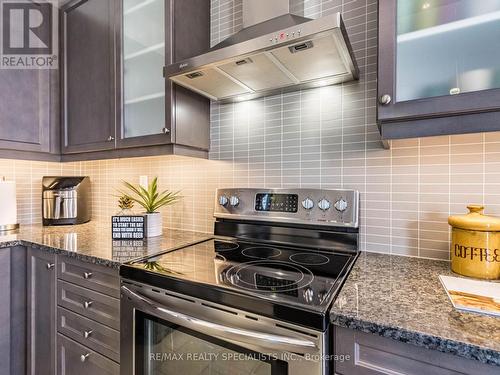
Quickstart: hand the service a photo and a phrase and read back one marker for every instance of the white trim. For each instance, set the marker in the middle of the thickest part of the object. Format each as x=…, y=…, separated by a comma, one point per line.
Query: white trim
x=144, y=51
x=144, y=98
x=451, y=26
x=138, y=6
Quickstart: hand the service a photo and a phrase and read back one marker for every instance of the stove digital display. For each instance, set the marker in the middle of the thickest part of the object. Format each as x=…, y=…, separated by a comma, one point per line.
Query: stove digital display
x=273, y=284
x=276, y=202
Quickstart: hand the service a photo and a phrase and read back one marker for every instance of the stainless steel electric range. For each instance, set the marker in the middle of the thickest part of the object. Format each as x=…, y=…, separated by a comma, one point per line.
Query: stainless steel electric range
x=254, y=299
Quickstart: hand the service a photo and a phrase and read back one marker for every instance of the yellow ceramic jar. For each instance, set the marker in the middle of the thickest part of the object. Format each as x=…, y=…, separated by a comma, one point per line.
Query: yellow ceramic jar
x=475, y=244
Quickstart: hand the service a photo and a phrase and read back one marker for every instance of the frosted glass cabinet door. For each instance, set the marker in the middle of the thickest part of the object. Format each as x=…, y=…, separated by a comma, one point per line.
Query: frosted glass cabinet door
x=447, y=47
x=143, y=53
x=438, y=67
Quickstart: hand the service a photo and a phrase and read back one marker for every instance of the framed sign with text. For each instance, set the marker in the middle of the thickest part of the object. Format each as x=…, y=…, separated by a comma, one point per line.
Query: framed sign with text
x=128, y=227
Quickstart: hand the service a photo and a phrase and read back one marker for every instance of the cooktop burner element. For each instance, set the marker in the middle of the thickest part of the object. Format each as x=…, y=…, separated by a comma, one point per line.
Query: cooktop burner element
x=221, y=246
x=261, y=252
x=276, y=252
x=270, y=276
x=309, y=259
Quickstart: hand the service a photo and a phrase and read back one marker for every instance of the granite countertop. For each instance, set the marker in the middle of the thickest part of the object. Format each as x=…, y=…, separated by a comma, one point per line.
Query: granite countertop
x=92, y=242
x=402, y=298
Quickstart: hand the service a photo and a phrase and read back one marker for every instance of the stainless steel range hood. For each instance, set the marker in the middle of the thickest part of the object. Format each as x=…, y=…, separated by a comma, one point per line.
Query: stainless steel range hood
x=284, y=53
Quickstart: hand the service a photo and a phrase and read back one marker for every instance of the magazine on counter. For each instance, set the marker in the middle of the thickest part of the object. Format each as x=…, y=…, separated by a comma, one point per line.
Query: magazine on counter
x=473, y=295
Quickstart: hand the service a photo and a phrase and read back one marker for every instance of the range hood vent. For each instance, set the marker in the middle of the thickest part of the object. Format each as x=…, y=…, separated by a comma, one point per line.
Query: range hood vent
x=285, y=53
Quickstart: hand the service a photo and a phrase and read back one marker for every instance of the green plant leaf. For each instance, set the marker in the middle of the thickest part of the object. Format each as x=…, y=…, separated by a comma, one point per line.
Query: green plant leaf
x=150, y=199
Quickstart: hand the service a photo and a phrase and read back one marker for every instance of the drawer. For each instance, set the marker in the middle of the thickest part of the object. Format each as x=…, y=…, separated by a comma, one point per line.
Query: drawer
x=75, y=359
x=93, y=335
x=93, y=305
x=99, y=278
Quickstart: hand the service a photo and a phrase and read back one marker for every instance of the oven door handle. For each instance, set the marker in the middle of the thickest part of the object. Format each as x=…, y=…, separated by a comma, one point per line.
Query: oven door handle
x=269, y=341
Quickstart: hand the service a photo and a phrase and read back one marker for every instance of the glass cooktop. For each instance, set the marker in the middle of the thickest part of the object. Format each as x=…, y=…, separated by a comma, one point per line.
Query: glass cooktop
x=283, y=275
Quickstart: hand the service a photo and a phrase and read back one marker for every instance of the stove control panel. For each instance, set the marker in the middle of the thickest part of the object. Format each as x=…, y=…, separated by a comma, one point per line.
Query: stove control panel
x=311, y=206
x=276, y=202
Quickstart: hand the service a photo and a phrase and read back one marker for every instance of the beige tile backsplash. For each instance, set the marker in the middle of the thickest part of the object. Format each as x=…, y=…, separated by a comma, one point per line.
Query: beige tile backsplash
x=324, y=138
x=404, y=211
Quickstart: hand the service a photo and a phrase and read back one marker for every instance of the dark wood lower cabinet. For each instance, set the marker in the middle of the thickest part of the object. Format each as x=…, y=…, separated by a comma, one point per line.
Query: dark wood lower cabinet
x=38, y=337
x=88, y=340
x=12, y=311
x=76, y=359
x=94, y=335
x=41, y=322
x=370, y=354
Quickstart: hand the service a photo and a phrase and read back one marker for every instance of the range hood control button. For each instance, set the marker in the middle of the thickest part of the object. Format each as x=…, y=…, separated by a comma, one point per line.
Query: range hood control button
x=324, y=204
x=308, y=203
x=223, y=200
x=234, y=201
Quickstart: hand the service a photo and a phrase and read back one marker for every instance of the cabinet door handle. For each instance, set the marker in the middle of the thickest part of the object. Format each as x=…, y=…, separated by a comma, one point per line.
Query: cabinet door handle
x=84, y=357
x=165, y=131
x=87, y=275
x=385, y=99
x=50, y=266
x=87, y=334
x=111, y=138
x=87, y=304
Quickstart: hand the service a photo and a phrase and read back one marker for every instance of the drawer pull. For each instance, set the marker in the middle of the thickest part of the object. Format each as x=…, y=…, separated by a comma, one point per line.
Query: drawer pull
x=87, y=304
x=84, y=357
x=87, y=275
x=87, y=334
x=50, y=266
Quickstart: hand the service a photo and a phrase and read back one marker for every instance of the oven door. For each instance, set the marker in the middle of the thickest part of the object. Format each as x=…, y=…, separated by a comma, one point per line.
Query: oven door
x=164, y=333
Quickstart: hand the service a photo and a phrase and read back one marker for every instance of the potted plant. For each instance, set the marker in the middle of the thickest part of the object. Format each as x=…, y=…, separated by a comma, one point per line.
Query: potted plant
x=151, y=200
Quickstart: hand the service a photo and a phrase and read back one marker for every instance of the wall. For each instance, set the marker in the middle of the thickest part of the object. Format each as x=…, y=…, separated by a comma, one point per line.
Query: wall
x=328, y=138
x=323, y=138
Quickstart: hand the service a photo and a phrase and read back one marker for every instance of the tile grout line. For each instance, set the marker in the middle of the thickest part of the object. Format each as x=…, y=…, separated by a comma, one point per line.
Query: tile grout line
x=321, y=91
x=365, y=128
x=484, y=167
x=418, y=196
x=300, y=138
x=449, y=187
x=281, y=140
x=342, y=127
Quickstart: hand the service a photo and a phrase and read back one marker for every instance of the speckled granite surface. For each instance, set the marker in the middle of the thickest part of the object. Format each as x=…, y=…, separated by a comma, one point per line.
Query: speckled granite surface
x=402, y=298
x=92, y=242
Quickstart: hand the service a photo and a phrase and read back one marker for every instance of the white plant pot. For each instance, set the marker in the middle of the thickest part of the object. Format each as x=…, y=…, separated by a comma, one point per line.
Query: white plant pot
x=154, y=225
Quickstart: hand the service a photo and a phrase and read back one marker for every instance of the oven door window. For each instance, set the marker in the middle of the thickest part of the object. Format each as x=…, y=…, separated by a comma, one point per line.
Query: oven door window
x=162, y=348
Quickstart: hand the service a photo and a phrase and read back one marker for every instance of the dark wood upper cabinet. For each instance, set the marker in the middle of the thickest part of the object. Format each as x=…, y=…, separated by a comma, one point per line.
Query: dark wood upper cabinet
x=143, y=48
x=24, y=109
x=153, y=111
x=192, y=111
x=88, y=75
x=117, y=102
x=109, y=97
x=29, y=104
x=29, y=113
x=438, y=68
